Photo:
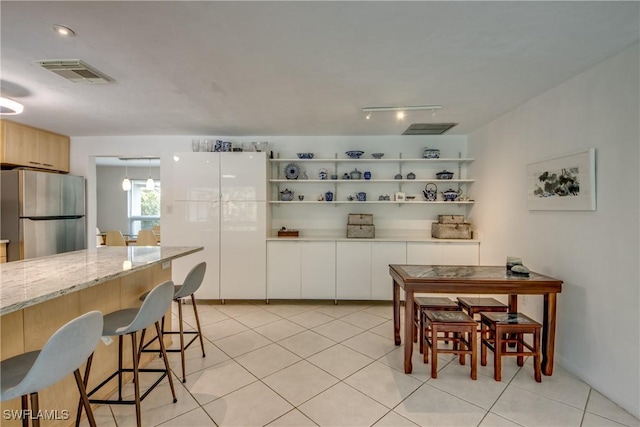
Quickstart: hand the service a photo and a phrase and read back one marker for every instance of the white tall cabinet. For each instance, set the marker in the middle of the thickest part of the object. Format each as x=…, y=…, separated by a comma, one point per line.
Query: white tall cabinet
x=218, y=201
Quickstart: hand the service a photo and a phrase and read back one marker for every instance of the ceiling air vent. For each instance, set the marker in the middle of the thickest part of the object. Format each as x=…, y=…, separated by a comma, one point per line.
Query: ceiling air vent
x=75, y=70
x=428, y=128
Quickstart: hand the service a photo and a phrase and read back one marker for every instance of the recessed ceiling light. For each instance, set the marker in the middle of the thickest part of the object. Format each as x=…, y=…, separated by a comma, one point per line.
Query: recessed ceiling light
x=63, y=31
x=9, y=107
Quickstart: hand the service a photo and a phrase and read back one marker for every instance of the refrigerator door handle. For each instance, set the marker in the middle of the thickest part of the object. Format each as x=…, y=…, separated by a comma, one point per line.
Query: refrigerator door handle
x=49, y=218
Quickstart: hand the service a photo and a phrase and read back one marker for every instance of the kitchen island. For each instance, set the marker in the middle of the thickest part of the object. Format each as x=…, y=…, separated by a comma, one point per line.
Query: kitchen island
x=39, y=295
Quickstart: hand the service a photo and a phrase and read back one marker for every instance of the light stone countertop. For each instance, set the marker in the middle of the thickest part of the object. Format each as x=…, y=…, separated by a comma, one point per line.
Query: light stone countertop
x=29, y=282
x=4, y=241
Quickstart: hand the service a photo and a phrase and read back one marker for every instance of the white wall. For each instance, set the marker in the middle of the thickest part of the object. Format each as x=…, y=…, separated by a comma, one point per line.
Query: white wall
x=595, y=253
x=84, y=150
x=111, y=200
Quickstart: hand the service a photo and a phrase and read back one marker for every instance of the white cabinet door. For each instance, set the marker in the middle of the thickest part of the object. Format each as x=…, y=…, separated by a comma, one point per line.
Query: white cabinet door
x=195, y=224
x=243, y=176
x=460, y=253
x=318, y=266
x=443, y=253
x=194, y=176
x=243, y=251
x=383, y=254
x=283, y=270
x=423, y=253
x=353, y=270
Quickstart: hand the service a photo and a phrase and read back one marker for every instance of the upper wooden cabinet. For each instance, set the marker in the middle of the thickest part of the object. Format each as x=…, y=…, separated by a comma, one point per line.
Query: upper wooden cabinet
x=22, y=145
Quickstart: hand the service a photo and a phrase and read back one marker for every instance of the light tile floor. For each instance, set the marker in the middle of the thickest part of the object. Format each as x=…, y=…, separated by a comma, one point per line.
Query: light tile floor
x=316, y=363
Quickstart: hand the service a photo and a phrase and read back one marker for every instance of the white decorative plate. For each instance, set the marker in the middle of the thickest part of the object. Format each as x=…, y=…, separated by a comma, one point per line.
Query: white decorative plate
x=291, y=171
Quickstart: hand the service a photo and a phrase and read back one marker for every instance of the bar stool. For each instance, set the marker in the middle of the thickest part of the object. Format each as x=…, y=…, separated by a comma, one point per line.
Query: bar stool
x=128, y=321
x=191, y=284
x=496, y=326
x=64, y=352
x=464, y=330
x=474, y=305
x=428, y=303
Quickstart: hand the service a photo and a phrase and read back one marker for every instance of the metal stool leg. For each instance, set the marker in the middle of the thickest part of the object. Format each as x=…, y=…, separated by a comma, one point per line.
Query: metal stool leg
x=34, y=409
x=25, y=409
x=84, y=397
x=166, y=361
x=195, y=311
x=136, y=380
x=85, y=382
x=184, y=379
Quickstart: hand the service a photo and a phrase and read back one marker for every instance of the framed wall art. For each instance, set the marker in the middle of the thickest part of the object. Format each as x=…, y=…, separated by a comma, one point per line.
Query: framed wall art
x=563, y=183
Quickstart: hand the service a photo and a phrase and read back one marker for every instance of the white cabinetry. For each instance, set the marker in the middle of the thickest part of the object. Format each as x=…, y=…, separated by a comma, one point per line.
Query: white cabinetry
x=446, y=253
x=383, y=254
x=283, y=270
x=301, y=269
x=218, y=200
x=318, y=262
x=363, y=269
x=353, y=270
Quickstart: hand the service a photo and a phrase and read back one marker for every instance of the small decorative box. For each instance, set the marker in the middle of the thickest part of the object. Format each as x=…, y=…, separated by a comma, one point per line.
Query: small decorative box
x=288, y=233
x=356, y=219
x=451, y=219
x=450, y=231
x=361, y=231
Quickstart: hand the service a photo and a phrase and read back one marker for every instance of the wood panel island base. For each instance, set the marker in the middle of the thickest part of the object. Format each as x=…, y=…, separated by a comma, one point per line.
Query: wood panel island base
x=40, y=295
x=462, y=280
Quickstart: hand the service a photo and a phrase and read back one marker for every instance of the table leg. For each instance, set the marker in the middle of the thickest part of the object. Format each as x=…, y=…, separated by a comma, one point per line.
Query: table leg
x=396, y=313
x=408, y=330
x=513, y=303
x=548, y=333
x=513, y=308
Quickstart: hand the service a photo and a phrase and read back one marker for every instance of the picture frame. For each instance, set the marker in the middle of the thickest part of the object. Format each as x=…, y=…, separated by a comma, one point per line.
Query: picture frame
x=563, y=183
x=400, y=196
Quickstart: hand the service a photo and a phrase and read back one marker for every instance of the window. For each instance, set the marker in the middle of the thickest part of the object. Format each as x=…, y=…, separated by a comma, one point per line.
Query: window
x=144, y=206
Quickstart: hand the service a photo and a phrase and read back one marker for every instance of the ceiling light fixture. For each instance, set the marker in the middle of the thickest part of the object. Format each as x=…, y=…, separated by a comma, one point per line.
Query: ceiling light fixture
x=150, y=184
x=9, y=107
x=61, y=30
x=126, y=182
x=401, y=111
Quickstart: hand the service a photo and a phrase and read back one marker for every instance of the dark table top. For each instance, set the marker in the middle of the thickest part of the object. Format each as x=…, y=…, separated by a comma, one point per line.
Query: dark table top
x=472, y=279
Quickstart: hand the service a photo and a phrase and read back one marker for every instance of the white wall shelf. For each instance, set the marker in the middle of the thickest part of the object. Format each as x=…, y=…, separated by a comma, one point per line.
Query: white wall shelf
x=389, y=160
x=380, y=202
x=367, y=181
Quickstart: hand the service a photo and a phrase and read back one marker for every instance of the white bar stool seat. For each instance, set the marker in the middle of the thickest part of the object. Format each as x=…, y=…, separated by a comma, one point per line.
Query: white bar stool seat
x=128, y=321
x=64, y=353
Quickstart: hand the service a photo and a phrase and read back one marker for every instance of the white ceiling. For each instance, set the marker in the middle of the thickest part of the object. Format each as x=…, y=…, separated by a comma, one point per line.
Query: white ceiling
x=298, y=68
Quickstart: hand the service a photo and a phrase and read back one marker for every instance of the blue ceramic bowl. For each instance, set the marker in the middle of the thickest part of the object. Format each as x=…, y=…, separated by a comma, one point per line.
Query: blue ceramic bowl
x=444, y=175
x=305, y=155
x=354, y=154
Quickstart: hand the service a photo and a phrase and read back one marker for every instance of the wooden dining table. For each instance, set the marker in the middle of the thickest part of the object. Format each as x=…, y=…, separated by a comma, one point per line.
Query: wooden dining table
x=449, y=279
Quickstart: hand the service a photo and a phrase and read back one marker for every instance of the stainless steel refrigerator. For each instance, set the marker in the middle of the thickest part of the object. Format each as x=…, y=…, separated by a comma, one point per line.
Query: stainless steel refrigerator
x=42, y=213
